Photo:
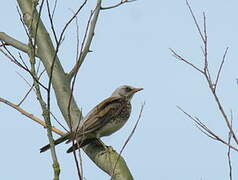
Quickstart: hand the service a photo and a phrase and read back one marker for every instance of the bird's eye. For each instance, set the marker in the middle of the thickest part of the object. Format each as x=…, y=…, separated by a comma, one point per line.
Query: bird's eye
x=128, y=89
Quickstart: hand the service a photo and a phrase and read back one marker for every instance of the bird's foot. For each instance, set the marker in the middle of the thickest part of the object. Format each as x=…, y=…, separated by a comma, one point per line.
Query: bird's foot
x=107, y=150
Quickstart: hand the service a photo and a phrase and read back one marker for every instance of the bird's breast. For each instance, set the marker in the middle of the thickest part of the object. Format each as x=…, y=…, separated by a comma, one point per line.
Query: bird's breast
x=117, y=121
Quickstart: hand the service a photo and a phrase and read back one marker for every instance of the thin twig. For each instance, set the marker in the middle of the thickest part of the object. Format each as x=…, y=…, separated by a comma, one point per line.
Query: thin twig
x=118, y=4
x=229, y=150
x=177, y=56
x=205, y=70
x=77, y=38
x=24, y=79
x=77, y=165
x=88, y=37
x=31, y=116
x=58, y=45
x=28, y=92
x=80, y=162
x=9, y=55
x=220, y=68
x=205, y=42
x=54, y=8
x=23, y=62
x=51, y=20
x=225, y=117
x=58, y=122
x=207, y=131
x=83, y=53
x=55, y=55
x=128, y=139
x=25, y=96
x=71, y=19
x=195, y=21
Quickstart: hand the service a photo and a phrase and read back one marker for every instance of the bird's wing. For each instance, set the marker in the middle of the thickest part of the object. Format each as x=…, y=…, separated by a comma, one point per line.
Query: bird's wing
x=101, y=114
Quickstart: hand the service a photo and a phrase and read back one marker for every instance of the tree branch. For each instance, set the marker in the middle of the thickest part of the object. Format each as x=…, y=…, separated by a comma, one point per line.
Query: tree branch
x=46, y=52
x=31, y=116
x=87, y=40
x=14, y=43
x=118, y=4
x=205, y=72
x=207, y=131
x=61, y=86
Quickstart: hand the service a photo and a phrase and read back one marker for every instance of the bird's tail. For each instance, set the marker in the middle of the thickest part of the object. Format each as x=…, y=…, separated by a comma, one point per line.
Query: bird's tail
x=57, y=141
x=80, y=143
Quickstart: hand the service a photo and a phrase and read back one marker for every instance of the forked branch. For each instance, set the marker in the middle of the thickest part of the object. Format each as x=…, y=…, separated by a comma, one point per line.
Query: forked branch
x=211, y=84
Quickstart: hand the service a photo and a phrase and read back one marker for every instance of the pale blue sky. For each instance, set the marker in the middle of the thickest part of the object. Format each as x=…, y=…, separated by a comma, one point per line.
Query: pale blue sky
x=131, y=46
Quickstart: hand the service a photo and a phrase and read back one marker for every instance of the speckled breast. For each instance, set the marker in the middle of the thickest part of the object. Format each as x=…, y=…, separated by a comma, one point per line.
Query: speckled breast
x=117, y=122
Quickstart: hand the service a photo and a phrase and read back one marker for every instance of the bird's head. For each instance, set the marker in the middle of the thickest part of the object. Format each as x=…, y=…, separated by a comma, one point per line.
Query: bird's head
x=126, y=91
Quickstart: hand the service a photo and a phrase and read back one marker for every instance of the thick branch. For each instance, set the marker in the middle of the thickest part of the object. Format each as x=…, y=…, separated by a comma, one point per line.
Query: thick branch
x=14, y=43
x=46, y=53
x=106, y=160
x=61, y=86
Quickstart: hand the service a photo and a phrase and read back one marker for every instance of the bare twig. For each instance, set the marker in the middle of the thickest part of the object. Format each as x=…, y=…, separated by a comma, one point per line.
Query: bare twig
x=77, y=165
x=9, y=55
x=49, y=88
x=229, y=150
x=128, y=139
x=51, y=20
x=206, y=73
x=29, y=115
x=220, y=68
x=77, y=37
x=58, y=122
x=71, y=19
x=75, y=73
x=28, y=92
x=23, y=62
x=53, y=62
x=57, y=48
x=118, y=4
x=207, y=131
x=225, y=117
x=54, y=8
x=83, y=54
x=177, y=56
x=206, y=69
x=80, y=162
x=211, y=86
x=88, y=37
x=195, y=21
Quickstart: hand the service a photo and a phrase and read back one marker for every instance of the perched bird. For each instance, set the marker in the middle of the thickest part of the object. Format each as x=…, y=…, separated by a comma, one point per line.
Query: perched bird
x=103, y=120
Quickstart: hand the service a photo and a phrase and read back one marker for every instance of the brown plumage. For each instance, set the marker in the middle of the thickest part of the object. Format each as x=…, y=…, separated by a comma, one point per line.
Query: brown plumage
x=103, y=120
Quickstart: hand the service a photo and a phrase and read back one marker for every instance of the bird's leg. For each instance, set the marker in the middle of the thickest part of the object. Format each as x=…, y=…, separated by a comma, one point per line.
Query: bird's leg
x=102, y=143
x=106, y=148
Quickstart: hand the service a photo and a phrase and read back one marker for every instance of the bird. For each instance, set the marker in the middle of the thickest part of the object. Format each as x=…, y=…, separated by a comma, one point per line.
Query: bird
x=103, y=120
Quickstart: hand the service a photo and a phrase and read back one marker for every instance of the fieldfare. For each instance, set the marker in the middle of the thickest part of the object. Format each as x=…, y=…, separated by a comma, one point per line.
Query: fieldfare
x=103, y=120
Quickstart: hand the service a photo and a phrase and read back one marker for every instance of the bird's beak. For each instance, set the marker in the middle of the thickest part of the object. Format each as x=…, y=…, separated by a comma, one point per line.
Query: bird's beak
x=137, y=89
